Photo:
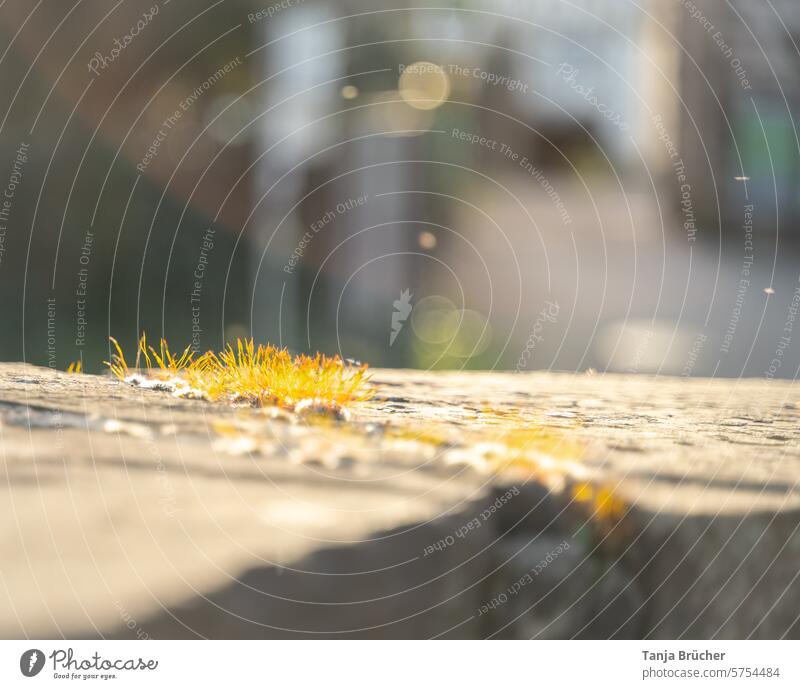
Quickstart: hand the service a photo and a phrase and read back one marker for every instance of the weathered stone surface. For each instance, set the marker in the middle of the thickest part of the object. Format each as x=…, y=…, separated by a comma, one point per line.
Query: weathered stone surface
x=128, y=512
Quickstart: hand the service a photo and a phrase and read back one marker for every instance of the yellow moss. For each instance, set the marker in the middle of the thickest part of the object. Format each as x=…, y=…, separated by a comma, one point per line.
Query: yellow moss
x=256, y=374
x=169, y=365
x=537, y=439
x=582, y=492
x=490, y=416
x=118, y=365
x=606, y=507
x=428, y=436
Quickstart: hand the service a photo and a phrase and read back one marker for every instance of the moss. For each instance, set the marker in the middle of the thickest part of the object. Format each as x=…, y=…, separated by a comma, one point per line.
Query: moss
x=260, y=375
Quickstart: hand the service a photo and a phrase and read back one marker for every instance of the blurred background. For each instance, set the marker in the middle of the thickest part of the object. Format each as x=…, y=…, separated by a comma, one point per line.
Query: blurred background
x=600, y=184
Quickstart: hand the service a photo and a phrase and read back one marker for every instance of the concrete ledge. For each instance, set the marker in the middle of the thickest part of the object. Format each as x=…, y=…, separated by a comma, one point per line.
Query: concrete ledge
x=130, y=513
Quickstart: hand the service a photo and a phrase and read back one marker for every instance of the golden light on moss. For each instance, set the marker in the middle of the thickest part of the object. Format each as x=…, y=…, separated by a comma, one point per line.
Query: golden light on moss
x=259, y=375
x=424, y=85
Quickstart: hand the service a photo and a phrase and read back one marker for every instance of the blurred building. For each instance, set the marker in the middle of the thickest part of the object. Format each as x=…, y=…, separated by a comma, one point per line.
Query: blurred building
x=615, y=126
x=739, y=66
x=482, y=159
x=341, y=180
